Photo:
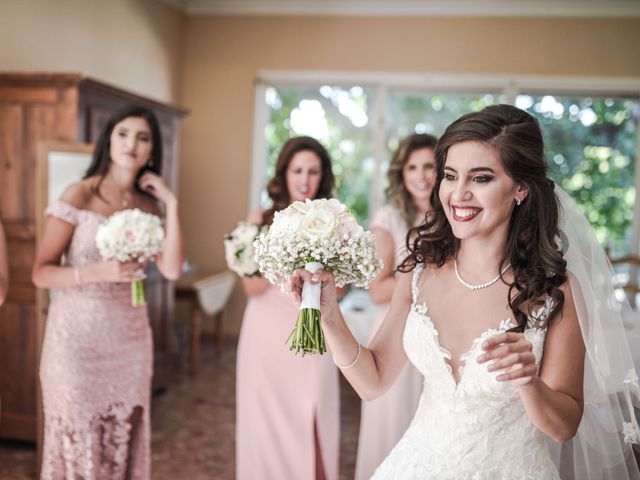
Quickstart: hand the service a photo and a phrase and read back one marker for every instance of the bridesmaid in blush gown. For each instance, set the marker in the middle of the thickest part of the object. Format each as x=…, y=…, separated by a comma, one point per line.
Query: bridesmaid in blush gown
x=411, y=175
x=97, y=356
x=288, y=411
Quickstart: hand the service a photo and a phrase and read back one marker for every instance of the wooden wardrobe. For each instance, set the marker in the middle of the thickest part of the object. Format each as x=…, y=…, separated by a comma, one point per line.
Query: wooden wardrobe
x=38, y=108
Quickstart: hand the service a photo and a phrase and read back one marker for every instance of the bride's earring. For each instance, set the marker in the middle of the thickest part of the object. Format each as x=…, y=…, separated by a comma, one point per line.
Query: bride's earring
x=518, y=202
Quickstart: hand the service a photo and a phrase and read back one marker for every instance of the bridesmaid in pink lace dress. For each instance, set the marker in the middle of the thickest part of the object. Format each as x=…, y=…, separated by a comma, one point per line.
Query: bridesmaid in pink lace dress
x=411, y=174
x=97, y=357
x=288, y=408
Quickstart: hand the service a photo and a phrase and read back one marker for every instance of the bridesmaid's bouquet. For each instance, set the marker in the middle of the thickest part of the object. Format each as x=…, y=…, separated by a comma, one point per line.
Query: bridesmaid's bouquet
x=131, y=235
x=239, y=251
x=315, y=234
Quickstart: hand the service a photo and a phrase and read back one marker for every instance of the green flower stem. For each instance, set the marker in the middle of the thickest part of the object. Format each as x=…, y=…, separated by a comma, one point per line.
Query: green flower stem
x=307, y=336
x=137, y=294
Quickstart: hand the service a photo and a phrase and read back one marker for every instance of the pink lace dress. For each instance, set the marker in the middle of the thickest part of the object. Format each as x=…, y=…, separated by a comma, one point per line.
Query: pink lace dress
x=95, y=371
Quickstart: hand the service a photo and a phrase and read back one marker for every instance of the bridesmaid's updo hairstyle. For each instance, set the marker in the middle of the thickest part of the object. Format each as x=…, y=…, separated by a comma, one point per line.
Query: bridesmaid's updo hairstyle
x=539, y=268
x=101, y=161
x=277, y=186
x=397, y=193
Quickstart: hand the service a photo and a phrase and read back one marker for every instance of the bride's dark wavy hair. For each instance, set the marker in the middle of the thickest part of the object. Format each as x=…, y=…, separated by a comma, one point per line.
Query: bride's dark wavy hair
x=539, y=268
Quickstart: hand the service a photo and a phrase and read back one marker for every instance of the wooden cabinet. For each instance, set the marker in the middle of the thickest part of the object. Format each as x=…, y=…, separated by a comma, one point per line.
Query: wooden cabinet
x=36, y=108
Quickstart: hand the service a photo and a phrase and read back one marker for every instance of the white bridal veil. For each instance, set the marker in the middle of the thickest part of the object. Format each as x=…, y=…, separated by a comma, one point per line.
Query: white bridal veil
x=603, y=447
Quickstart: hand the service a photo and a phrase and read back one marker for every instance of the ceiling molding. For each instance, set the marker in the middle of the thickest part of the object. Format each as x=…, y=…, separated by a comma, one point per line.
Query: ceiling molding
x=180, y=5
x=413, y=8
x=457, y=82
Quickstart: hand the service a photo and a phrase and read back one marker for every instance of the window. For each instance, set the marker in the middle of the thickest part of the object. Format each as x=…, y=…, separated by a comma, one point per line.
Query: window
x=337, y=117
x=591, y=145
x=591, y=140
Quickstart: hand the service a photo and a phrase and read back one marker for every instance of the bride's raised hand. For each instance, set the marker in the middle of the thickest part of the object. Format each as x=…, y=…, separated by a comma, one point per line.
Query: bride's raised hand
x=513, y=355
x=328, y=294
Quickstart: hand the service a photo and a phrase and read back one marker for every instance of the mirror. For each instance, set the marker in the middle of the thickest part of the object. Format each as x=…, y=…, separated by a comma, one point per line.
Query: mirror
x=64, y=168
x=58, y=165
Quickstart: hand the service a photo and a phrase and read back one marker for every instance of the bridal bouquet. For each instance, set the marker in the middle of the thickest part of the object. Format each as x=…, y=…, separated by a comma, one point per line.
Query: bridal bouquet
x=131, y=235
x=315, y=234
x=239, y=251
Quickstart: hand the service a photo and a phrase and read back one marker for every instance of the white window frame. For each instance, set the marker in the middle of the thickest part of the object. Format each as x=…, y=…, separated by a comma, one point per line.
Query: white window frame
x=382, y=83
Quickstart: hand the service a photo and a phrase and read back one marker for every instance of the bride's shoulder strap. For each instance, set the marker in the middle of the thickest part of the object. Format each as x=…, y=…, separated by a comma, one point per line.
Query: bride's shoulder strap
x=417, y=270
x=539, y=318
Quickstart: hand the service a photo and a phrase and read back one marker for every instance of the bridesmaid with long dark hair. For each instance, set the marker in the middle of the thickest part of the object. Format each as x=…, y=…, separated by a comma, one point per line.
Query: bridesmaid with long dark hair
x=97, y=357
x=288, y=410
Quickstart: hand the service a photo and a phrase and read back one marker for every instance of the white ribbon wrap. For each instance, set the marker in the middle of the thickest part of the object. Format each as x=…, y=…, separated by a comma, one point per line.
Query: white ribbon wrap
x=311, y=291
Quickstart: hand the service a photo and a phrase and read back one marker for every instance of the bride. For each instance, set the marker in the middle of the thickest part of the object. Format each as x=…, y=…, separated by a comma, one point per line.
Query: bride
x=504, y=308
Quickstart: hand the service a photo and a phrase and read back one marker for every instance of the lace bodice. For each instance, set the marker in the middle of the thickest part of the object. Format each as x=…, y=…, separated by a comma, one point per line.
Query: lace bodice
x=475, y=429
x=82, y=249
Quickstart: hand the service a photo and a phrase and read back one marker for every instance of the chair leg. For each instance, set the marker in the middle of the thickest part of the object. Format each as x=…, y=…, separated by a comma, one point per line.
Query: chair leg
x=194, y=350
x=219, y=332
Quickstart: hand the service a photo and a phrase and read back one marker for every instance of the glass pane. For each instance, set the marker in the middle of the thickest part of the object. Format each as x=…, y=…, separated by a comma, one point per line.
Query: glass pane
x=339, y=118
x=590, y=145
x=419, y=112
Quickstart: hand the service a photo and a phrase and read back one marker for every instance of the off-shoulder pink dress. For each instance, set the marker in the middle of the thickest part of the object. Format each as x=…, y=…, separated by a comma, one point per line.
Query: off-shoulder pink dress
x=384, y=420
x=95, y=370
x=283, y=401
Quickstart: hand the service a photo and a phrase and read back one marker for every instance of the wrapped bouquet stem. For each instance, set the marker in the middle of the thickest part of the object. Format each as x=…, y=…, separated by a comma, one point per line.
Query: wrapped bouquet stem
x=315, y=234
x=307, y=335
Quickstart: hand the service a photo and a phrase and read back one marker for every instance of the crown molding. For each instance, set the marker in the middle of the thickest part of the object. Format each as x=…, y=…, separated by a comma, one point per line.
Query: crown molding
x=412, y=8
x=179, y=5
x=442, y=82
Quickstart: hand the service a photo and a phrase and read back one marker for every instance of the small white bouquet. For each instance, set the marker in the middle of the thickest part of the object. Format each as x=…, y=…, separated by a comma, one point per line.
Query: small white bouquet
x=131, y=235
x=239, y=251
x=316, y=234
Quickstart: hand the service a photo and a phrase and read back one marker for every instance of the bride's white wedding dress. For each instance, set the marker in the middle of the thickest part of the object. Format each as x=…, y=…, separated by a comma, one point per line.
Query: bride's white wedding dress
x=476, y=429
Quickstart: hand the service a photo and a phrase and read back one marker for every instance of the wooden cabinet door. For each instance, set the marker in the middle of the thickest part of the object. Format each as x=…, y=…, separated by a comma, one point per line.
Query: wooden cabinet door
x=29, y=113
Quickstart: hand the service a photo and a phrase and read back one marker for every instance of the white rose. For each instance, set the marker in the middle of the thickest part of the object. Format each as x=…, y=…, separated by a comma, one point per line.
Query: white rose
x=298, y=207
x=246, y=234
x=335, y=207
x=348, y=226
x=286, y=222
x=317, y=224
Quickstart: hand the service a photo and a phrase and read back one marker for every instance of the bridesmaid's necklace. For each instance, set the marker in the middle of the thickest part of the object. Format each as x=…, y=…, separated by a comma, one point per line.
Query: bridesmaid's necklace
x=478, y=286
x=124, y=201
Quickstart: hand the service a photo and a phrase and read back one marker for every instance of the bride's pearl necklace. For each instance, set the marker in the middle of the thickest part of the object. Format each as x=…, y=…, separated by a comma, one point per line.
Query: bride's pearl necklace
x=478, y=286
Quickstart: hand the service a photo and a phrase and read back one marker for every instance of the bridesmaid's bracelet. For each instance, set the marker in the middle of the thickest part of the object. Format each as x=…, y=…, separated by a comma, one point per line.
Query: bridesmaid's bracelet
x=352, y=363
x=76, y=273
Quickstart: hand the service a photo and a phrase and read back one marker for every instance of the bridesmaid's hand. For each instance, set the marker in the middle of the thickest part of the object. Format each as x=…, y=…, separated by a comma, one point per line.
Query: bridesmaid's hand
x=118, y=272
x=156, y=186
x=328, y=294
x=511, y=354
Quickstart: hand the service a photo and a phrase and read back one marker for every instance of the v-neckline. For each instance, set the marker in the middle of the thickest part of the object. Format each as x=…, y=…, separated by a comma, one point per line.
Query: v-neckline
x=421, y=311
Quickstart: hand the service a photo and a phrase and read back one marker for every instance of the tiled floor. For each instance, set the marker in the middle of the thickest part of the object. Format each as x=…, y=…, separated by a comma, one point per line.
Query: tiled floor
x=193, y=428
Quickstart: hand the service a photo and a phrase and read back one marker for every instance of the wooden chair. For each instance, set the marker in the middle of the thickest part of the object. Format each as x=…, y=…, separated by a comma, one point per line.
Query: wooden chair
x=207, y=295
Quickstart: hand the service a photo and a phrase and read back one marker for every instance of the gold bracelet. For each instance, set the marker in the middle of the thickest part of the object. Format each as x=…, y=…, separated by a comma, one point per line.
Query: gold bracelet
x=352, y=363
